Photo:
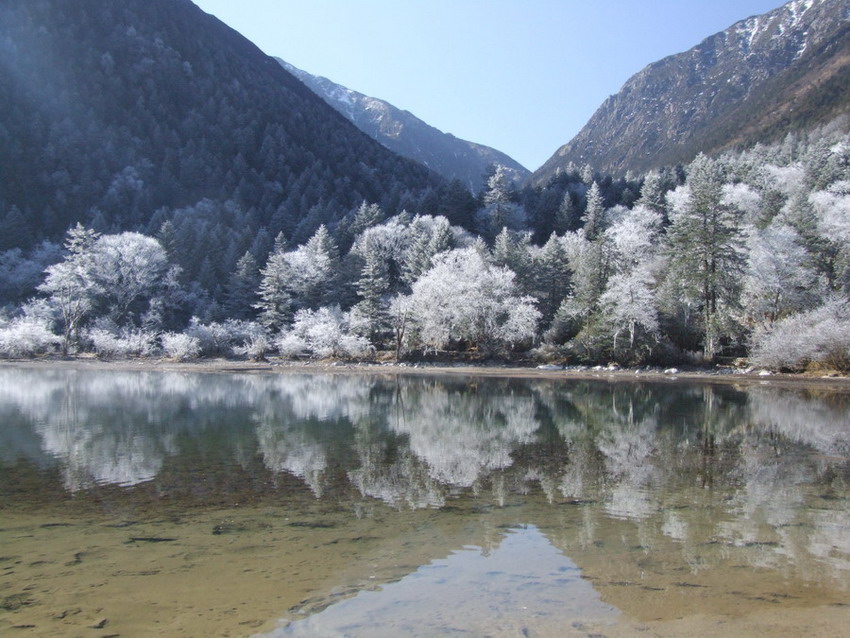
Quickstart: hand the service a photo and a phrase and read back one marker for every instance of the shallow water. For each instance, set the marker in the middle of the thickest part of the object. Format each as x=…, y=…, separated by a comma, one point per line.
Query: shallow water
x=161, y=503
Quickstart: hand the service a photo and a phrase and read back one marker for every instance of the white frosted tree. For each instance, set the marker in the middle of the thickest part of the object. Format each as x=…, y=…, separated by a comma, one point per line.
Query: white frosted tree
x=465, y=299
x=70, y=285
x=594, y=213
x=426, y=237
x=652, y=192
x=325, y=332
x=275, y=301
x=778, y=280
x=628, y=303
x=635, y=237
x=628, y=306
x=499, y=210
x=131, y=270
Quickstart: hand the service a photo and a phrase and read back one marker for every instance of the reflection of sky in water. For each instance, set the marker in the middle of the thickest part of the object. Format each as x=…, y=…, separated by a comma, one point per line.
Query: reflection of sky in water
x=523, y=585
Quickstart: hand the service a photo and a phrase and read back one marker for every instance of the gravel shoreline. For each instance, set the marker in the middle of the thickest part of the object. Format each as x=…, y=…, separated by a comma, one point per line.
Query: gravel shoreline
x=802, y=381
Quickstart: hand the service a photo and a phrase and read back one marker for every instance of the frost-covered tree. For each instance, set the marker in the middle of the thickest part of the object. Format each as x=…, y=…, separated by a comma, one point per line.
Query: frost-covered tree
x=499, y=209
x=275, y=301
x=594, y=213
x=70, y=285
x=832, y=206
x=635, y=237
x=465, y=299
x=744, y=199
x=318, y=274
x=652, y=192
x=817, y=337
x=628, y=306
x=628, y=303
x=832, y=241
x=132, y=273
x=778, y=280
x=567, y=217
x=325, y=332
x=427, y=236
x=590, y=264
x=400, y=313
x=704, y=246
x=367, y=216
x=513, y=251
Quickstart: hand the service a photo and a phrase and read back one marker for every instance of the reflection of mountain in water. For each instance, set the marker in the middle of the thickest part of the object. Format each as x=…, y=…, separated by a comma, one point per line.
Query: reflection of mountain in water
x=694, y=464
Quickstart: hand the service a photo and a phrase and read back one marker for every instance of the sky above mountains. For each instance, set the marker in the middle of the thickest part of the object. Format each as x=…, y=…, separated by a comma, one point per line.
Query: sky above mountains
x=520, y=76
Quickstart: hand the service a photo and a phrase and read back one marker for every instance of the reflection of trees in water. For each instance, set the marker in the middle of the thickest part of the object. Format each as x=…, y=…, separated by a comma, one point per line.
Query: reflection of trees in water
x=463, y=431
x=673, y=460
x=822, y=423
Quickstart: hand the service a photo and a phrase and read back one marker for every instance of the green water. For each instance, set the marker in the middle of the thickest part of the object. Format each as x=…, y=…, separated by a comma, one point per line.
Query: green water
x=164, y=503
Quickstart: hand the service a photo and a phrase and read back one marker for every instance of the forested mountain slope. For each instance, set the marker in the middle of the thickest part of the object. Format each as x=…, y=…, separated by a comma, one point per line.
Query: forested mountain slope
x=784, y=71
x=118, y=113
x=407, y=135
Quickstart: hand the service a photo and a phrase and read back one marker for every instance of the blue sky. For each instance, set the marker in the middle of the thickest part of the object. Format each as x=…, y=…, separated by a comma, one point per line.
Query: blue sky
x=522, y=76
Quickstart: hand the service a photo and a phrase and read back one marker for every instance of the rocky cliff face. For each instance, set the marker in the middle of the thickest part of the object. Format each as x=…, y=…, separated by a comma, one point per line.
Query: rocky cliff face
x=407, y=135
x=785, y=70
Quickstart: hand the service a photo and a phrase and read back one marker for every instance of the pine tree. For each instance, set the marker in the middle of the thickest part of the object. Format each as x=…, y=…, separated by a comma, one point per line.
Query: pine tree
x=499, y=210
x=275, y=304
x=80, y=240
x=594, y=213
x=652, y=193
x=567, y=217
x=371, y=287
x=280, y=243
x=704, y=244
x=512, y=250
x=428, y=237
x=167, y=236
x=367, y=215
x=323, y=254
x=241, y=289
x=553, y=277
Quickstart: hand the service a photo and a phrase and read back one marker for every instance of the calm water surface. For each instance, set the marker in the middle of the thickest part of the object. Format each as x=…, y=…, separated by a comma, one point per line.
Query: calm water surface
x=188, y=504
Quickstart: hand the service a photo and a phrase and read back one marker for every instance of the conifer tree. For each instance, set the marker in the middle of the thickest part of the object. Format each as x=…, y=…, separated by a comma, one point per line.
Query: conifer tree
x=704, y=244
x=594, y=213
x=371, y=287
x=553, y=277
x=70, y=285
x=322, y=254
x=652, y=192
x=241, y=288
x=567, y=215
x=275, y=304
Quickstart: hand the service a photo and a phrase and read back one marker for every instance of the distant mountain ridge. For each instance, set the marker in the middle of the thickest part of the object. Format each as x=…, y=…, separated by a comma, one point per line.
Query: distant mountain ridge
x=785, y=70
x=407, y=135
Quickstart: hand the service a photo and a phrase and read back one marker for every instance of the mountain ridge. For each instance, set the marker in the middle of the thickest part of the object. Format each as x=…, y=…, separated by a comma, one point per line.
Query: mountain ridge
x=402, y=132
x=671, y=110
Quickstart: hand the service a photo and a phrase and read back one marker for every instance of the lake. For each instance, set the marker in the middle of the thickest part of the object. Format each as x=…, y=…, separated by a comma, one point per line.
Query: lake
x=197, y=504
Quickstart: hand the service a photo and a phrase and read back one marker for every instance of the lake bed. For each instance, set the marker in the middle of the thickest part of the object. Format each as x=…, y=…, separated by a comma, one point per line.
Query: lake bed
x=181, y=503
